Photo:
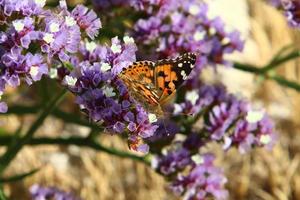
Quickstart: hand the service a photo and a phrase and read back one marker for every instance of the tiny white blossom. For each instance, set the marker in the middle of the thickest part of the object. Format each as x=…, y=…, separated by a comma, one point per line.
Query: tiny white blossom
x=90, y=46
x=109, y=91
x=212, y=30
x=128, y=39
x=48, y=38
x=198, y=159
x=177, y=109
x=69, y=80
x=116, y=48
x=53, y=73
x=192, y=96
x=194, y=9
x=105, y=67
x=254, y=116
x=40, y=3
x=18, y=25
x=199, y=35
x=152, y=117
x=34, y=71
x=70, y=21
x=54, y=27
x=265, y=139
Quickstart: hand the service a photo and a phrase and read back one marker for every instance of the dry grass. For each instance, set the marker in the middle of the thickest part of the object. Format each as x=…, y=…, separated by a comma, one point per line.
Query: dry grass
x=258, y=175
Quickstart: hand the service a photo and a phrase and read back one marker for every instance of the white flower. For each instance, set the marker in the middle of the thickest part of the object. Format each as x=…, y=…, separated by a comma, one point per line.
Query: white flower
x=18, y=25
x=69, y=80
x=177, y=109
x=109, y=91
x=199, y=35
x=198, y=159
x=254, y=116
x=128, y=40
x=192, y=96
x=70, y=21
x=105, y=67
x=53, y=73
x=194, y=9
x=265, y=139
x=90, y=46
x=40, y=3
x=34, y=71
x=152, y=118
x=116, y=48
x=54, y=27
x=48, y=38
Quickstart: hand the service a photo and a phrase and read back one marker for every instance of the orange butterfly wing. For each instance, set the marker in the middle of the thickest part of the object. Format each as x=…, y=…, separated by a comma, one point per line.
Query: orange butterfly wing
x=152, y=84
x=171, y=73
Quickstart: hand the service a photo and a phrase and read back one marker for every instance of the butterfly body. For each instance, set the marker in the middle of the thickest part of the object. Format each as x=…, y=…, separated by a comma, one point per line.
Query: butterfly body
x=152, y=84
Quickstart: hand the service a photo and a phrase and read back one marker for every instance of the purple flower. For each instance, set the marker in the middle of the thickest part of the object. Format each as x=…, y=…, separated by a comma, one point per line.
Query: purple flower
x=87, y=20
x=54, y=37
x=103, y=96
x=226, y=118
x=38, y=192
x=192, y=175
x=291, y=8
x=203, y=181
x=220, y=118
x=25, y=7
x=174, y=161
x=185, y=27
x=3, y=107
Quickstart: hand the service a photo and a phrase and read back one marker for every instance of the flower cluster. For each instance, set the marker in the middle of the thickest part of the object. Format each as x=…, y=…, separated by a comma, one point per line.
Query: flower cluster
x=102, y=95
x=32, y=39
x=174, y=27
x=226, y=118
x=291, y=9
x=193, y=176
x=38, y=193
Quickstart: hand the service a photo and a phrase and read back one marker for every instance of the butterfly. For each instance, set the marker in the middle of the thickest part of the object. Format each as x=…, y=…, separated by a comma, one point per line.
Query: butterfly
x=152, y=84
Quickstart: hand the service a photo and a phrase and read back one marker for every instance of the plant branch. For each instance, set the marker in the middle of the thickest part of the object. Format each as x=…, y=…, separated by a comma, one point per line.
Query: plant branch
x=78, y=141
x=14, y=148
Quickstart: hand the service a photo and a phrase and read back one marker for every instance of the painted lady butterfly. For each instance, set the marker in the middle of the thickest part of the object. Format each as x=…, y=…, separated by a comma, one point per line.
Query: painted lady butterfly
x=153, y=84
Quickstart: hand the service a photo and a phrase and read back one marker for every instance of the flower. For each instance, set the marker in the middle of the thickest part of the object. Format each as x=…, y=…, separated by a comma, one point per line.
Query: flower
x=204, y=180
x=38, y=192
x=87, y=20
x=291, y=9
x=104, y=97
x=175, y=28
x=34, y=39
x=192, y=175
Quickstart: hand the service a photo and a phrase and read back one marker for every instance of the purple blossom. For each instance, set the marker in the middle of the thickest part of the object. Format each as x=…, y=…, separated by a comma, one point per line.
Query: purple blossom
x=103, y=96
x=192, y=175
x=38, y=192
x=52, y=37
x=174, y=161
x=25, y=8
x=185, y=27
x=87, y=20
x=291, y=8
x=226, y=118
x=203, y=181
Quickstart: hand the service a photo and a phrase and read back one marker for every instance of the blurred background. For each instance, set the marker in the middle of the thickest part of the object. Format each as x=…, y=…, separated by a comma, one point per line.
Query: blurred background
x=260, y=174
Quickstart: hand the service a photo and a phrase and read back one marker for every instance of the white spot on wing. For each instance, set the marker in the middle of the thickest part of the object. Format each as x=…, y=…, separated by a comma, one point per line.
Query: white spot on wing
x=183, y=74
x=180, y=65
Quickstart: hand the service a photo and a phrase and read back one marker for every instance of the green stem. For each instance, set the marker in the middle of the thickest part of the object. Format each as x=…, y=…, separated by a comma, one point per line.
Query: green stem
x=66, y=117
x=78, y=141
x=261, y=71
x=13, y=149
x=279, y=61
